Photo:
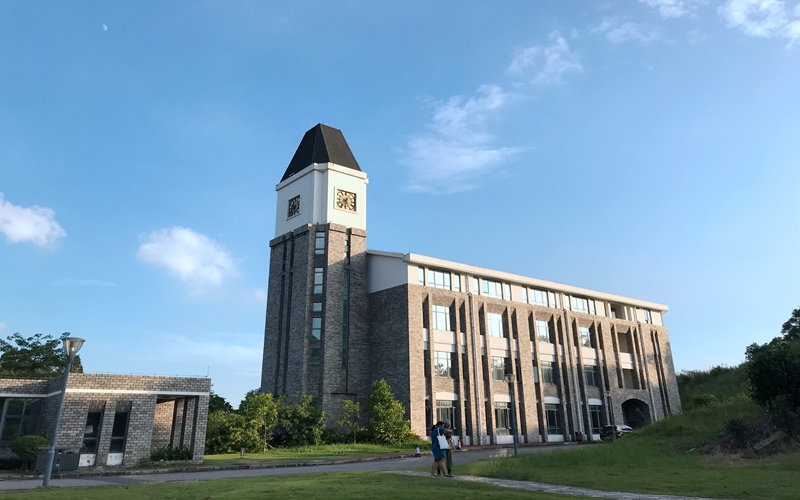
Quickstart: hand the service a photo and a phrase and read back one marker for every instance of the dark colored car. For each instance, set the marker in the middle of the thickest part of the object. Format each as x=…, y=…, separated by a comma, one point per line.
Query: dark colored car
x=608, y=431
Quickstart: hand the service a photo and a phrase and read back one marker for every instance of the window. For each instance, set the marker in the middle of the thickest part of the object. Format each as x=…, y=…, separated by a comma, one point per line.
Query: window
x=421, y=276
x=502, y=416
x=543, y=331
x=498, y=368
x=491, y=289
x=580, y=305
x=647, y=318
x=456, y=283
x=591, y=307
x=524, y=294
x=443, y=364
x=319, y=276
x=20, y=417
x=119, y=432
x=552, y=299
x=91, y=432
x=535, y=373
x=553, y=419
x=317, y=307
x=586, y=336
x=319, y=243
x=347, y=249
x=439, y=279
x=495, y=324
x=441, y=318
x=474, y=285
x=445, y=410
x=538, y=297
x=591, y=376
x=596, y=416
x=506, y=291
x=316, y=328
x=566, y=303
x=548, y=372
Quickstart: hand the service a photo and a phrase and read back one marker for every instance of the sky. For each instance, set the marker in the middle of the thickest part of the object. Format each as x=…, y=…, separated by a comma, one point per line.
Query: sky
x=646, y=148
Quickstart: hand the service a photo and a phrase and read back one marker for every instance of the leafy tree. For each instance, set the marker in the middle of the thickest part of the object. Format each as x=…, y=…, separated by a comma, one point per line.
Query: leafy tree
x=773, y=371
x=27, y=447
x=230, y=432
x=40, y=356
x=218, y=403
x=261, y=411
x=299, y=424
x=351, y=411
x=386, y=422
x=791, y=329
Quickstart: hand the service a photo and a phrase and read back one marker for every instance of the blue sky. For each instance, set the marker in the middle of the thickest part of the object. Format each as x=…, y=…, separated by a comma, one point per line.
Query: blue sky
x=644, y=148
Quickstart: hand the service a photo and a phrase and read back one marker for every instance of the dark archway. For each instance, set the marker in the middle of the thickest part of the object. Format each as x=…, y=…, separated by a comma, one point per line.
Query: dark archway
x=636, y=413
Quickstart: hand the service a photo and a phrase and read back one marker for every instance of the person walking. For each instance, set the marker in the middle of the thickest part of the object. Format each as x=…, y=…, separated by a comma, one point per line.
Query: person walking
x=448, y=434
x=439, y=456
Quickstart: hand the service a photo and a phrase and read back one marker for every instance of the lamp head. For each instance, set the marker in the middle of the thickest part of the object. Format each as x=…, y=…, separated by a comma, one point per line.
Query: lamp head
x=509, y=378
x=72, y=345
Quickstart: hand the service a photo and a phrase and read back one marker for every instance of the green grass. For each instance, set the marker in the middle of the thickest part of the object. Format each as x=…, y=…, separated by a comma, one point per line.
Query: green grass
x=655, y=460
x=372, y=485
x=309, y=453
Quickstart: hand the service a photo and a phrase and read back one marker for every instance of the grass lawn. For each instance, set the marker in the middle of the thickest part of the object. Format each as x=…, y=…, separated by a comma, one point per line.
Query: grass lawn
x=323, y=452
x=655, y=460
x=373, y=485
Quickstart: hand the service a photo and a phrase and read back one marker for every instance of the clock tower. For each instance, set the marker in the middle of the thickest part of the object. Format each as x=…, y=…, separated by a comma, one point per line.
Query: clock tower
x=315, y=336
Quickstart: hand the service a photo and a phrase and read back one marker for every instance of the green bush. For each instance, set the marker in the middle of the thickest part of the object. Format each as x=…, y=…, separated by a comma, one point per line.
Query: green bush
x=168, y=453
x=700, y=400
x=27, y=447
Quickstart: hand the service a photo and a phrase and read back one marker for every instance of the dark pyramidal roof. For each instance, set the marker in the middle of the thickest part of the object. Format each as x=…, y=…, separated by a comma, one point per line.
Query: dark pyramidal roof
x=321, y=144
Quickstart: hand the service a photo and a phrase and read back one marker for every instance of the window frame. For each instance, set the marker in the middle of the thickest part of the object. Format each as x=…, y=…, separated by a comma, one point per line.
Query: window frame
x=443, y=364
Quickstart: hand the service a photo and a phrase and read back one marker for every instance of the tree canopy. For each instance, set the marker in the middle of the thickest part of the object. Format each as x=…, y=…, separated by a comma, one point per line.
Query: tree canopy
x=386, y=415
x=791, y=329
x=40, y=356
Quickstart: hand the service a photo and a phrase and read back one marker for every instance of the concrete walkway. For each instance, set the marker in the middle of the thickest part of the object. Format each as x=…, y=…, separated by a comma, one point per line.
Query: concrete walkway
x=554, y=488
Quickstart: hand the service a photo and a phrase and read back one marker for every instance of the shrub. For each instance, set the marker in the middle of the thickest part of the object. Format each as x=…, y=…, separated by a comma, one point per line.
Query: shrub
x=701, y=400
x=166, y=453
x=299, y=424
x=27, y=447
x=386, y=416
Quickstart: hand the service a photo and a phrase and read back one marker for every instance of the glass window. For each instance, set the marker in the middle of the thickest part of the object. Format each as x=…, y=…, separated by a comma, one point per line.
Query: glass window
x=474, y=285
x=491, y=289
x=591, y=307
x=319, y=243
x=524, y=294
x=91, y=432
x=441, y=318
x=319, y=277
x=502, y=416
x=535, y=373
x=543, y=331
x=552, y=299
x=439, y=279
x=498, y=369
x=538, y=297
x=567, y=303
x=506, y=291
x=119, y=432
x=647, y=316
x=580, y=305
x=495, y=324
x=456, y=283
x=590, y=374
x=445, y=410
x=443, y=364
x=316, y=328
x=586, y=336
x=347, y=248
x=421, y=276
x=317, y=307
x=596, y=416
x=21, y=417
x=548, y=372
x=553, y=413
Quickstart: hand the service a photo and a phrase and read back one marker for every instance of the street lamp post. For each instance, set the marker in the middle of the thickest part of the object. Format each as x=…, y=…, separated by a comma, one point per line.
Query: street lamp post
x=510, y=380
x=71, y=346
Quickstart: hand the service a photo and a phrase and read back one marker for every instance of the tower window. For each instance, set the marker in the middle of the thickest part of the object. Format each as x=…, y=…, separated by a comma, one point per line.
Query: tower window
x=319, y=243
x=316, y=328
x=441, y=318
x=319, y=276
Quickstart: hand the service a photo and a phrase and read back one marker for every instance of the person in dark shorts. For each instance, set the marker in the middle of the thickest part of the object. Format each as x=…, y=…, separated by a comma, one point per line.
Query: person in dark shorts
x=439, y=455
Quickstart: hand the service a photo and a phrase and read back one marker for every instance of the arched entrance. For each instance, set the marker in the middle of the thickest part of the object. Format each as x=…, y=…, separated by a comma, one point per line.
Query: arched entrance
x=636, y=413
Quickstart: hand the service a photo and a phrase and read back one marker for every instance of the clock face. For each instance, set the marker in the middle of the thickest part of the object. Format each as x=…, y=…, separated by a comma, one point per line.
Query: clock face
x=345, y=200
x=294, y=207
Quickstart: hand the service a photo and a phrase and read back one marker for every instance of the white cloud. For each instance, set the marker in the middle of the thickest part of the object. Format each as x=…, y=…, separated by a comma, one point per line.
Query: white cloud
x=194, y=258
x=672, y=9
x=457, y=150
x=545, y=64
x=619, y=32
x=34, y=224
x=763, y=18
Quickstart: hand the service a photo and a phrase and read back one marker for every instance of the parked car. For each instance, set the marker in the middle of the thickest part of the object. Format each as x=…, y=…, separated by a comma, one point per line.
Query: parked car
x=608, y=431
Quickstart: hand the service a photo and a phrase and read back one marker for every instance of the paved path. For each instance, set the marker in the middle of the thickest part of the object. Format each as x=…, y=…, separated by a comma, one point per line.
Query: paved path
x=553, y=488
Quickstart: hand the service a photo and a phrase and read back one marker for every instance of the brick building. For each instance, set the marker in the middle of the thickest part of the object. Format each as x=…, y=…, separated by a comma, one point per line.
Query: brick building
x=444, y=334
x=109, y=419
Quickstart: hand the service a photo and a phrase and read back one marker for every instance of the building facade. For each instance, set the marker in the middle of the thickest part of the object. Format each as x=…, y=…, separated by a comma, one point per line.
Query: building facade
x=453, y=340
x=110, y=420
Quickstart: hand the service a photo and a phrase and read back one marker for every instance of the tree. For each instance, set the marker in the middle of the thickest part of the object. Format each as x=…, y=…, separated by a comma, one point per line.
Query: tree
x=351, y=411
x=40, y=356
x=773, y=371
x=386, y=422
x=218, y=403
x=299, y=424
x=261, y=411
x=791, y=329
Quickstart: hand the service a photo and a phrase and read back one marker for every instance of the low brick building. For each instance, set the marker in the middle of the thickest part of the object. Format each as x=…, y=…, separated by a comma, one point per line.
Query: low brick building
x=110, y=420
x=445, y=334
